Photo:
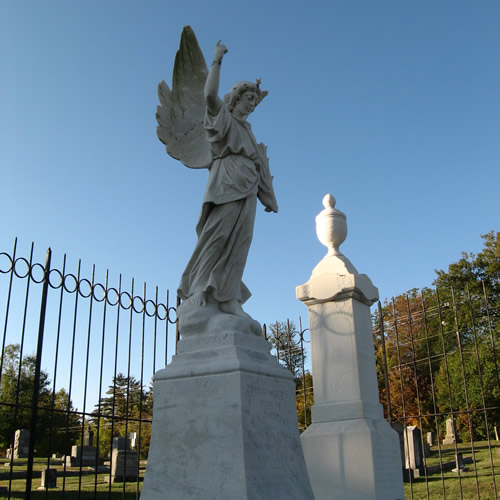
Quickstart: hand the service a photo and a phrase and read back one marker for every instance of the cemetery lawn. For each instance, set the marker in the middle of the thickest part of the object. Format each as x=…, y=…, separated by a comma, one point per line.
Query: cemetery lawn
x=477, y=477
x=89, y=487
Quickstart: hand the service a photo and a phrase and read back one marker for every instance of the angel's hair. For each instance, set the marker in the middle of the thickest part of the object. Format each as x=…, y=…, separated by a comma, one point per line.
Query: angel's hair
x=240, y=88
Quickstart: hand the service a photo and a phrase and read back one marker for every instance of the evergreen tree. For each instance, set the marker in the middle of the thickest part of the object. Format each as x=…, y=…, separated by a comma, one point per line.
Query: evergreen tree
x=127, y=408
x=285, y=339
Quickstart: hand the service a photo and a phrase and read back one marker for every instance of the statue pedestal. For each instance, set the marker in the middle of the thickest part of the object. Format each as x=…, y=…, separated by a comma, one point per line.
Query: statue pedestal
x=351, y=452
x=225, y=423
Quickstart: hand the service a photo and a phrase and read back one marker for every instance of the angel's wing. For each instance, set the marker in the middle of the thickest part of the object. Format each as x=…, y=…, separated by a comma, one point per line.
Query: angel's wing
x=180, y=115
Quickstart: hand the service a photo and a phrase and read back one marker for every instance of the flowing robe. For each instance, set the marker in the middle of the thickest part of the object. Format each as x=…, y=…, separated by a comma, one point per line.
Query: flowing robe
x=239, y=173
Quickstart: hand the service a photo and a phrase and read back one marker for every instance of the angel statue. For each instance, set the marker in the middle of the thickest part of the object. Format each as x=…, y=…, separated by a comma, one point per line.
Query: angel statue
x=203, y=131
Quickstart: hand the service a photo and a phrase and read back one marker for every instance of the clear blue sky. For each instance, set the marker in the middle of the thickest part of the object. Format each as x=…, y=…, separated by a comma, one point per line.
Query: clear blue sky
x=391, y=106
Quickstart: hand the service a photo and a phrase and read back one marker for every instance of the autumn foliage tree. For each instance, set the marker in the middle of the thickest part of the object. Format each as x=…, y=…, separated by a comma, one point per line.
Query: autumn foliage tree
x=437, y=350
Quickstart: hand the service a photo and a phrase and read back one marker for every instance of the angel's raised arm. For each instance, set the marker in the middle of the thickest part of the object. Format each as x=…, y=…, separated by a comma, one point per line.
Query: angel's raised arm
x=212, y=83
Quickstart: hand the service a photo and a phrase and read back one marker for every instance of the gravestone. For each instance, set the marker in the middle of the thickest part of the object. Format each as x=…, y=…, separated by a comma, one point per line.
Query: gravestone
x=88, y=438
x=124, y=466
x=430, y=440
x=121, y=443
x=21, y=443
x=83, y=456
x=400, y=430
x=133, y=440
x=351, y=451
x=451, y=432
x=460, y=463
x=49, y=478
x=413, y=449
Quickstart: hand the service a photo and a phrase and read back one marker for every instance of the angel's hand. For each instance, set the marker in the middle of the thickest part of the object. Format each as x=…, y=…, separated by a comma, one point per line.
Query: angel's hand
x=220, y=50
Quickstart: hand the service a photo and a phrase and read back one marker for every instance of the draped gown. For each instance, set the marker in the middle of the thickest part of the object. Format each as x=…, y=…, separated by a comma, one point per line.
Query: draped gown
x=239, y=174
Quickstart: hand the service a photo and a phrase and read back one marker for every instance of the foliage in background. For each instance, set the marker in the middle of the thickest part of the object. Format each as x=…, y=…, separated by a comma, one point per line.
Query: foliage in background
x=448, y=339
x=285, y=339
x=56, y=427
x=122, y=412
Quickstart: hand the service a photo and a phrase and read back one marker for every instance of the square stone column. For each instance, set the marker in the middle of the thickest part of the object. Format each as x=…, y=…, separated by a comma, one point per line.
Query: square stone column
x=351, y=452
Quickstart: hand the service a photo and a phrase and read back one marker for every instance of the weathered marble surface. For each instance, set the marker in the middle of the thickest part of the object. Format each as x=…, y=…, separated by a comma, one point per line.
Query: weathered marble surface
x=351, y=452
x=225, y=424
x=204, y=131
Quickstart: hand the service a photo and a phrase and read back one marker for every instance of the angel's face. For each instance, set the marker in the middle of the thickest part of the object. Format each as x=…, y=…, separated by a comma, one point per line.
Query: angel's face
x=245, y=104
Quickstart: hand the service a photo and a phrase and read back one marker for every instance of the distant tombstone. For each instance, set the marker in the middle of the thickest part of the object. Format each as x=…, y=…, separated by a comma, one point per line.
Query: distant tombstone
x=459, y=462
x=21, y=443
x=121, y=443
x=430, y=441
x=49, y=478
x=133, y=438
x=83, y=456
x=399, y=429
x=413, y=448
x=124, y=466
x=88, y=438
x=451, y=432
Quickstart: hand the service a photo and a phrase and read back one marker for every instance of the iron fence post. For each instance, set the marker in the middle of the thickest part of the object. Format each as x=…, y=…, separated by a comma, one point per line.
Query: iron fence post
x=36, y=383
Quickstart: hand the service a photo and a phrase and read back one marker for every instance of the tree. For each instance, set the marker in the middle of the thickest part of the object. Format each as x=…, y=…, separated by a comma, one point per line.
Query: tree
x=304, y=399
x=447, y=340
x=16, y=402
x=283, y=337
x=127, y=408
x=405, y=326
x=469, y=377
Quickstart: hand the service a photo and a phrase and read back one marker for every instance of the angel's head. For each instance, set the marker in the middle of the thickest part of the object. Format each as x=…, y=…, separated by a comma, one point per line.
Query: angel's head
x=246, y=94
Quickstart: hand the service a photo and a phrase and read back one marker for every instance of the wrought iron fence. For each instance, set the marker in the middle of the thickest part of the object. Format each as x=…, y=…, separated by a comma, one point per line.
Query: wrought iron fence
x=78, y=354
x=76, y=360
x=437, y=361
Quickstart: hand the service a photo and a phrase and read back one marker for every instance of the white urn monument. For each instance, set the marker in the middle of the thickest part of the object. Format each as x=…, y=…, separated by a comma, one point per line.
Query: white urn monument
x=351, y=452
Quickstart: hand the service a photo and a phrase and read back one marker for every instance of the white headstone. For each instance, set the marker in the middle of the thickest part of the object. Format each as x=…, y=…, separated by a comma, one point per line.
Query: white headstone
x=413, y=448
x=451, y=432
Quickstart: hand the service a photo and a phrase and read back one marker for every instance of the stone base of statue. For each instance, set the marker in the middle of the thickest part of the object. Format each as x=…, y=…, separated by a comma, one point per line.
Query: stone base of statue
x=224, y=418
x=351, y=452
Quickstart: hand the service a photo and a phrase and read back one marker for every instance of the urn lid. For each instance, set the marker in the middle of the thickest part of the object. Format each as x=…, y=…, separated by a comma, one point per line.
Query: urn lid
x=329, y=202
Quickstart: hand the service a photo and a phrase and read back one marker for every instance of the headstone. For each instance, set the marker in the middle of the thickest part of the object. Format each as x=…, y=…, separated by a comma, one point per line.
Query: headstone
x=121, y=443
x=351, y=452
x=133, y=438
x=413, y=448
x=21, y=443
x=451, y=432
x=83, y=456
x=124, y=466
x=430, y=440
x=49, y=478
x=88, y=438
x=400, y=430
x=459, y=462
x=8, y=453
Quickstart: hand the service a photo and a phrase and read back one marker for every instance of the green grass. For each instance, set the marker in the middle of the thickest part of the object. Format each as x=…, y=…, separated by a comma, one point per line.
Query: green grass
x=466, y=486
x=455, y=487
x=88, y=488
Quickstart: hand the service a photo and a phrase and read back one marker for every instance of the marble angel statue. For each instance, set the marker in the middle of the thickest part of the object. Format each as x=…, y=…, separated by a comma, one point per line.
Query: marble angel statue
x=203, y=131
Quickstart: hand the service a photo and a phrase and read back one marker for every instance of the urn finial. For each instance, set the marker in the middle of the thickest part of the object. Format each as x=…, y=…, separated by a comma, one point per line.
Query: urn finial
x=331, y=226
